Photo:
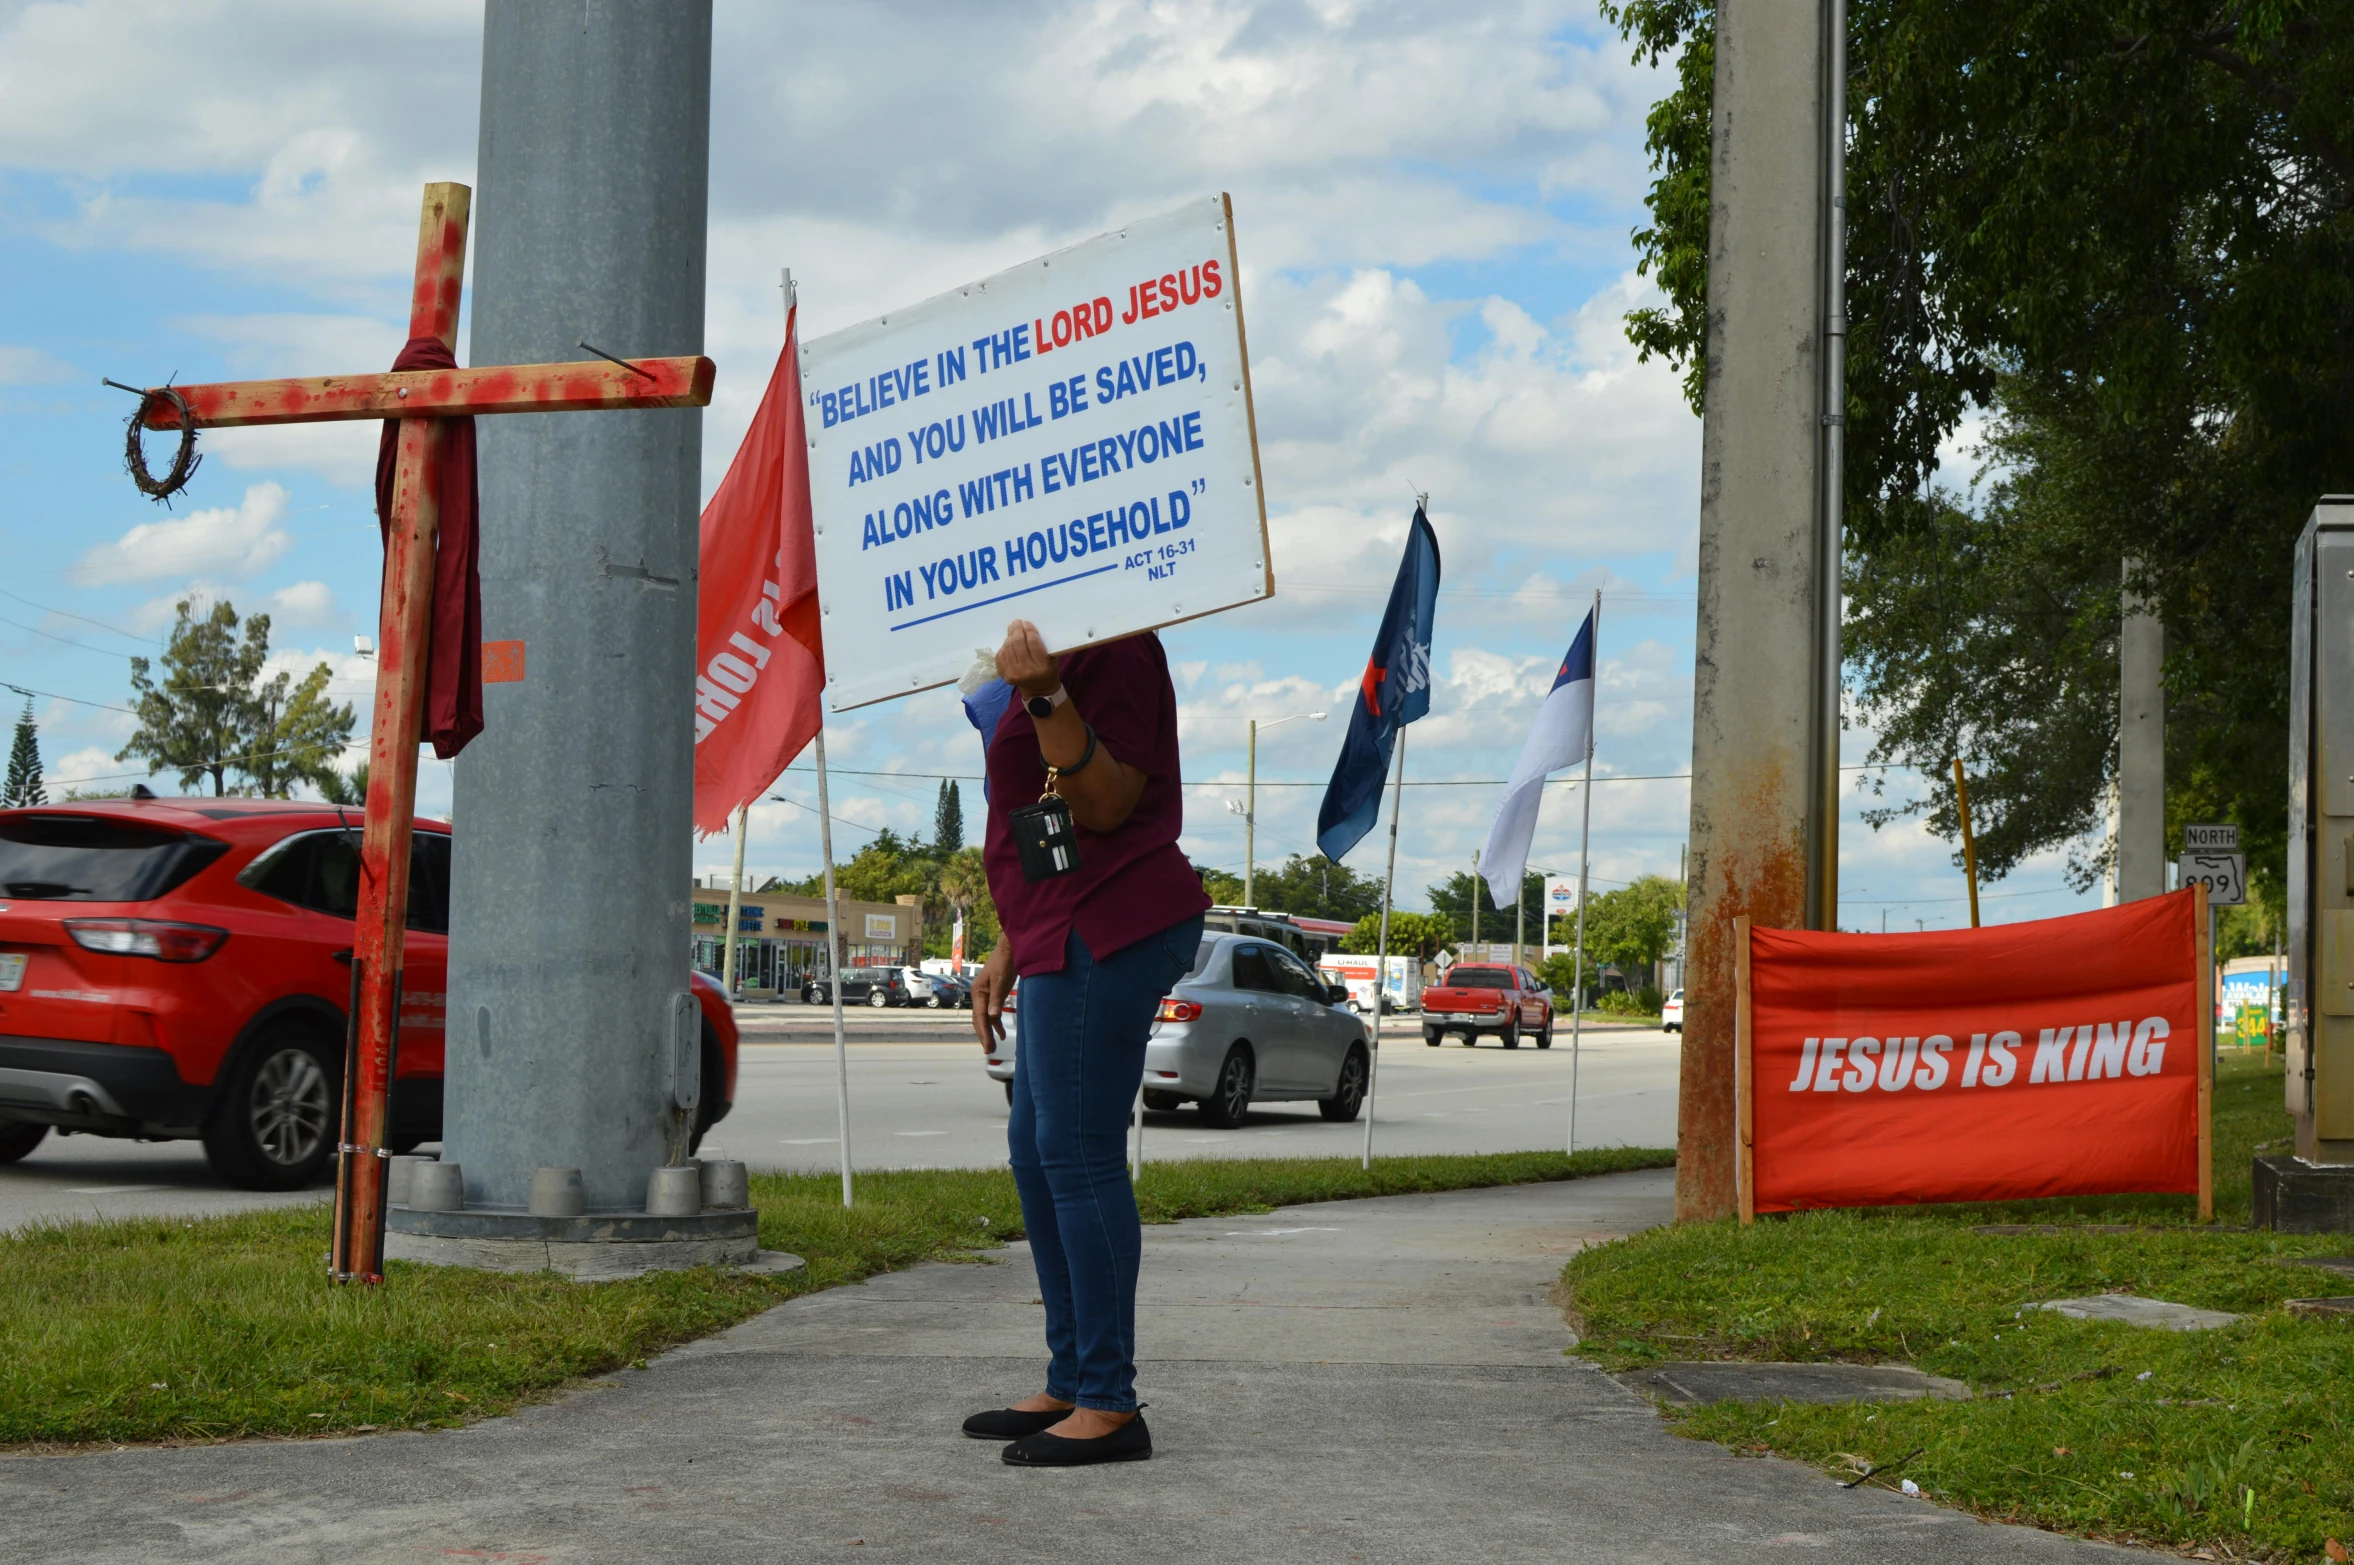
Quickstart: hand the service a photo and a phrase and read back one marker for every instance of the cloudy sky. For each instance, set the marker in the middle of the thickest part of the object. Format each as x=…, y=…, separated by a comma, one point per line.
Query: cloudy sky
x=1433, y=205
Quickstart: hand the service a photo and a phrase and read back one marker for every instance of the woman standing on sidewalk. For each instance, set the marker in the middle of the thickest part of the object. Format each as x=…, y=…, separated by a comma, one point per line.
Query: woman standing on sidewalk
x=1096, y=945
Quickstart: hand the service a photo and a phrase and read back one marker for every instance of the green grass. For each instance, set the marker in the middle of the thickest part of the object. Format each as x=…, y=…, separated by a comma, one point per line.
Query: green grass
x=2242, y=1437
x=225, y=1327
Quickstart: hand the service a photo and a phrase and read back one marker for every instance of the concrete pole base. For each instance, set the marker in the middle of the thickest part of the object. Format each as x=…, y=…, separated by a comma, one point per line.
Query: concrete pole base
x=2293, y=1196
x=594, y=1247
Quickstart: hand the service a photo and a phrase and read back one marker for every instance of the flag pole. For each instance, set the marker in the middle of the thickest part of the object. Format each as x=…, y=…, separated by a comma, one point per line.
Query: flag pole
x=1381, y=970
x=837, y=948
x=1577, y=998
x=840, y=952
x=735, y=908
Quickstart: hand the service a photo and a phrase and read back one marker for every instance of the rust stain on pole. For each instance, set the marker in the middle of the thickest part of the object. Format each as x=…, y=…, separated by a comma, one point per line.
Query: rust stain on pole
x=1763, y=879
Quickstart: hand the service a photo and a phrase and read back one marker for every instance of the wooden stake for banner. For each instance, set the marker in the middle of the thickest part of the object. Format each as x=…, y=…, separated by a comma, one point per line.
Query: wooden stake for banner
x=2201, y=933
x=1744, y=1076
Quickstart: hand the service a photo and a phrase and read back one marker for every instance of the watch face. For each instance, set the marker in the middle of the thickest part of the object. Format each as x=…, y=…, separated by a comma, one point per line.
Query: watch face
x=1039, y=706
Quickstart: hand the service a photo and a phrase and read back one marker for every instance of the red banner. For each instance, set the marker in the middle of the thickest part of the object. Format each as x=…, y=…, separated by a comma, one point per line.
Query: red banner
x=2062, y=1057
x=759, y=660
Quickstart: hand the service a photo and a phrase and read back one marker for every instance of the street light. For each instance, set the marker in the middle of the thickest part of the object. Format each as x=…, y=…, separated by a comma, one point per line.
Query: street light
x=1250, y=809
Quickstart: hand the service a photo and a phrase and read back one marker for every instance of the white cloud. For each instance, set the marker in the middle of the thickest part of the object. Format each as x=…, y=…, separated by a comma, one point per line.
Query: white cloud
x=305, y=605
x=79, y=767
x=237, y=540
x=31, y=366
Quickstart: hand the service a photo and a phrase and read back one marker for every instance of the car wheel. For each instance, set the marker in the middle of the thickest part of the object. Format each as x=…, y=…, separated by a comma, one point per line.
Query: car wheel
x=1348, y=1093
x=1230, y=1100
x=1161, y=1102
x=1433, y=1038
x=1009, y=1092
x=934, y=1001
x=274, y=1126
x=877, y=999
x=1545, y=1038
x=17, y=1139
x=1510, y=1036
x=1471, y=1040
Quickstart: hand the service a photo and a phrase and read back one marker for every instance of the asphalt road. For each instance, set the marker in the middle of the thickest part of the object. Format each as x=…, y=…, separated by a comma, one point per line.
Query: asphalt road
x=919, y=1099
x=919, y=1103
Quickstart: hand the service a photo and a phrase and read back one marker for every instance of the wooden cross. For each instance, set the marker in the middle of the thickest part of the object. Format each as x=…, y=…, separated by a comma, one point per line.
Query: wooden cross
x=420, y=400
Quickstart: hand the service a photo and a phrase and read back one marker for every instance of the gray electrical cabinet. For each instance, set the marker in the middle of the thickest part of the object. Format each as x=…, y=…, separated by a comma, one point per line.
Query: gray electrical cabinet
x=2320, y=994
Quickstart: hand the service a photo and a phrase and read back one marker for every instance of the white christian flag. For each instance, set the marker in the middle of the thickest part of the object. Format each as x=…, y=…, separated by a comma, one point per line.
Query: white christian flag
x=1563, y=736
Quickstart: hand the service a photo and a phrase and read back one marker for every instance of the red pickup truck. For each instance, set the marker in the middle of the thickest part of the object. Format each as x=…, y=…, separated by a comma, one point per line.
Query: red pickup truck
x=1508, y=1001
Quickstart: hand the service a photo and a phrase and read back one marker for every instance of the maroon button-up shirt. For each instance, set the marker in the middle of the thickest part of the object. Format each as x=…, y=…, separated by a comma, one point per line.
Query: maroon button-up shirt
x=1132, y=881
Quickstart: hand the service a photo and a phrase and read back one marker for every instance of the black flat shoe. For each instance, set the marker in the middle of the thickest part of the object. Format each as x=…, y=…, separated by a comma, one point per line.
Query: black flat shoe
x=1006, y=1423
x=1131, y=1442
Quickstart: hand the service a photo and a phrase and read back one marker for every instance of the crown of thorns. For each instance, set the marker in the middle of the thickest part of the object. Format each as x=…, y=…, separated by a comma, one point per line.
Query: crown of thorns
x=185, y=461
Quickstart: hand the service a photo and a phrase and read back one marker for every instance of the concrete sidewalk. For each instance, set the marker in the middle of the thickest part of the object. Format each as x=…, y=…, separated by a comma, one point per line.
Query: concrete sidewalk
x=1370, y=1380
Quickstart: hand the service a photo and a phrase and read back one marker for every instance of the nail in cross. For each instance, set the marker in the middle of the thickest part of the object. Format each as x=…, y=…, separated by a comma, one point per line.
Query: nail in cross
x=420, y=400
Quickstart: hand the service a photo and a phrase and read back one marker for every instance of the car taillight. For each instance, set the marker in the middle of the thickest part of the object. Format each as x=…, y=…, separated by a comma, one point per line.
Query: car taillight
x=146, y=937
x=1176, y=1010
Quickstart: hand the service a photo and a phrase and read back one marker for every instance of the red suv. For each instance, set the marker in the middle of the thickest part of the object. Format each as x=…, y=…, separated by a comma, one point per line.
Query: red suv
x=179, y=969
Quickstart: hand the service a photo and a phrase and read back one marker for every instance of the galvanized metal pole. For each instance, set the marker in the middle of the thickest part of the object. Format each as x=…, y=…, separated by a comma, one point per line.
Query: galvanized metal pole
x=1381, y=970
x=1577, y=993
x=569, y=941
x=1250, y=825
x=839, y=950
x=1824, y=912
x=2140, y=854
x=735, y=904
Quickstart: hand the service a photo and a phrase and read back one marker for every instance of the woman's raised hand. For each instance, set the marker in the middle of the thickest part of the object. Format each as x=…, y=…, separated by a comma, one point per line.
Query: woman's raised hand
x=1024, y=662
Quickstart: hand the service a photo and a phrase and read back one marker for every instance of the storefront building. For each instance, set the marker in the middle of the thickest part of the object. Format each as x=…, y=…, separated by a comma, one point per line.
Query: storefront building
x=781, y=939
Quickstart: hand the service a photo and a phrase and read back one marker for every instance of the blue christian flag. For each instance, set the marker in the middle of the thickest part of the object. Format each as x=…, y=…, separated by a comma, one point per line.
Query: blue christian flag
x=1394, y=691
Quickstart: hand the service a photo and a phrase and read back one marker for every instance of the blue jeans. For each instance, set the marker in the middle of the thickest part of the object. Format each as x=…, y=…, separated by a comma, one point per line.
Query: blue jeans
x=1079, y=1059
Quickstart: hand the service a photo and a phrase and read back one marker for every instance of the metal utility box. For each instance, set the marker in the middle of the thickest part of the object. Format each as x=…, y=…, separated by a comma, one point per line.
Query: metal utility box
x=2320, y=991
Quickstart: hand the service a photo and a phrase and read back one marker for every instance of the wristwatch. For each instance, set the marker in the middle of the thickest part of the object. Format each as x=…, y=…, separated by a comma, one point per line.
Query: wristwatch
x=1043, y=706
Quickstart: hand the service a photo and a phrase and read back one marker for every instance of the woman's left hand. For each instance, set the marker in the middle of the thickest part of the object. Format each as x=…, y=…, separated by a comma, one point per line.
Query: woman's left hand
x=1024, y=662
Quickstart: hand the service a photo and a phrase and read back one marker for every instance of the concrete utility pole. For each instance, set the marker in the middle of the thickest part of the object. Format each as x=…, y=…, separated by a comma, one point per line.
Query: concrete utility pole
x=2140, y=869
x=1760, y=825
x=568, y=1000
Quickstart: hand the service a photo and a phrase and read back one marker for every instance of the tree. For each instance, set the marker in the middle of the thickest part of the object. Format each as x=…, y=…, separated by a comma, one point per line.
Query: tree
x=1306, y=885
x=212, y=714
x=948, y=820
x=1632, y=928
x=1411, y=934
x=24, y=785
x=1224, y=890
x=351, y=791
x=1452, y=897
x=964, y=886
x=297, y=735
x=2126, y=229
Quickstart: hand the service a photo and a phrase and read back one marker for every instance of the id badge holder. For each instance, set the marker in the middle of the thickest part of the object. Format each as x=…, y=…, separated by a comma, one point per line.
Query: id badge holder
x=1044, y=837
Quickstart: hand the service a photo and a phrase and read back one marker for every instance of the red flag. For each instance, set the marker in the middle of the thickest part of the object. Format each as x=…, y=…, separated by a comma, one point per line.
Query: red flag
x=759, y=663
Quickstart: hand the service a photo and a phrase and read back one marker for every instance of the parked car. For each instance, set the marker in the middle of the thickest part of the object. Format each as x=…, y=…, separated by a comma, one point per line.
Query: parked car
x=1253, y=1023
x=939, y=991
x=178, y=969
x=876, y=986
x=1671, y=1012
x=1477, y=997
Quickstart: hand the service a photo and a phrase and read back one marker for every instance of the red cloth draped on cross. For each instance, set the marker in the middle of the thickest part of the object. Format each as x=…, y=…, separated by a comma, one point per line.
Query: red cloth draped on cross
x=453, y=688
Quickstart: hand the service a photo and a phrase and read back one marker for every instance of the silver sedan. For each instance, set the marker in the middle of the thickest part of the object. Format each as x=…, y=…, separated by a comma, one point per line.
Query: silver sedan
x=1252, y=1023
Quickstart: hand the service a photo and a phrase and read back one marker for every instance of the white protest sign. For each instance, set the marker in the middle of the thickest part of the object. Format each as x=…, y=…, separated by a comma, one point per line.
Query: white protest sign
x=1069, y=442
